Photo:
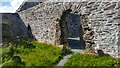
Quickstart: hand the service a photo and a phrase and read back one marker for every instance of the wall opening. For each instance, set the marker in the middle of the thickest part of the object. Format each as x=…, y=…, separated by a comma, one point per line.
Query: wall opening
x=75, y=32
x=63, y=26
x=71, y=30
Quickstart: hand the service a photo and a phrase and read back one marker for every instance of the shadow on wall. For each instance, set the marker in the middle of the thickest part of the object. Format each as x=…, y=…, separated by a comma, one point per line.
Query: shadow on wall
x=14, y=29
x=27, y=5
x=63, y=26
x=30, y=35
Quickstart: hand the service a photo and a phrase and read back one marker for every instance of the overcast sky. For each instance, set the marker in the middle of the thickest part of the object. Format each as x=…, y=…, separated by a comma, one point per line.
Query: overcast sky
x=9, y=6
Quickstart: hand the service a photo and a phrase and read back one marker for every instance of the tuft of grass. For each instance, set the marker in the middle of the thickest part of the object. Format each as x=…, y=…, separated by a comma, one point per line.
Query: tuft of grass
x=33, y=54
x=12, y=63
x=91, y=60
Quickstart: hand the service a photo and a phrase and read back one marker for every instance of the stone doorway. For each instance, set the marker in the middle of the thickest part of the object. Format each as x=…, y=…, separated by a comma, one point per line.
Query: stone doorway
x=71, y=30
x=75, y=32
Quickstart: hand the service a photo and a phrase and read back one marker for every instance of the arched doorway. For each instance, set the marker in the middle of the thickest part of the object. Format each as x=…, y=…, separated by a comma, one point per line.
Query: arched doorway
x=71, y=30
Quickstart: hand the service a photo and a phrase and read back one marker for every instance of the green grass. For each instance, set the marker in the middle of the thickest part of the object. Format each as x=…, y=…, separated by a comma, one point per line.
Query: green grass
x=32, y=54
x=86, y=60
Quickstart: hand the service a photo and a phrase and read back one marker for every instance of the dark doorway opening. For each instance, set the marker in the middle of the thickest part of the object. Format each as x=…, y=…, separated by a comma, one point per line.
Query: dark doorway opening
x=75, y=33
x=71, y=30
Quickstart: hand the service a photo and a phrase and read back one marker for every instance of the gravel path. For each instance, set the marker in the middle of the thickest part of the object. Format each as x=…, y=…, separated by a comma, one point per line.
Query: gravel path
x=75, y=48
x=64, y=60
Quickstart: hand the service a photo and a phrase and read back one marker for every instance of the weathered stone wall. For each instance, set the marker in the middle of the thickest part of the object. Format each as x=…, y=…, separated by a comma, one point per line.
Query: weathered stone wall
x=103, y=19
x=12, y=26
x=100, y=18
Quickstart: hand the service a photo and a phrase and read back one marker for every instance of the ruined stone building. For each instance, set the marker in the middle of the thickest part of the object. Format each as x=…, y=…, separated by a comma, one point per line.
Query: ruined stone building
x=96, y=24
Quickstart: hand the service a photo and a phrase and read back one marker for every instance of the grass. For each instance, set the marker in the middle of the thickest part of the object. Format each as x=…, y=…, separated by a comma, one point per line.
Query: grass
x=32, y=54
x=91, y=60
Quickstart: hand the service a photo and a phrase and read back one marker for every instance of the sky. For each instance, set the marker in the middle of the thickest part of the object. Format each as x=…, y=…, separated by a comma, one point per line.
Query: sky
x=9, y=6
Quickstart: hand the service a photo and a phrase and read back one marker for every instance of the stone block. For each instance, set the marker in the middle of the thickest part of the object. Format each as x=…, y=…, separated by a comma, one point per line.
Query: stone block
x=110, y=7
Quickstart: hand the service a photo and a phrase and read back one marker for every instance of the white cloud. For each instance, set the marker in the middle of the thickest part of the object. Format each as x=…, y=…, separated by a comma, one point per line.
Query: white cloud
x=16, y=3
x=6, y=9
x=11, y=9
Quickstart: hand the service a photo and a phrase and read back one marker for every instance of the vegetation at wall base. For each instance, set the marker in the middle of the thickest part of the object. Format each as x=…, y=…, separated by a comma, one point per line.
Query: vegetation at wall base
x=85, y=60
x=31, y=53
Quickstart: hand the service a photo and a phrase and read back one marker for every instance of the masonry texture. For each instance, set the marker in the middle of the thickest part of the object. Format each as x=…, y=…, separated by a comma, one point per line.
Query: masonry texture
x=100, y=22
x=12, y=26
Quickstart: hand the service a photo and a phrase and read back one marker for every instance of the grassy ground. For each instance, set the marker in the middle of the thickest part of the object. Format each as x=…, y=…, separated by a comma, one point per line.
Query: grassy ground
x=92, y=60
x=31, y=54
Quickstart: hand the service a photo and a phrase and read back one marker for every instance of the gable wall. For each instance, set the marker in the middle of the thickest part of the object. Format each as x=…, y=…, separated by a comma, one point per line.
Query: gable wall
x=102, y=17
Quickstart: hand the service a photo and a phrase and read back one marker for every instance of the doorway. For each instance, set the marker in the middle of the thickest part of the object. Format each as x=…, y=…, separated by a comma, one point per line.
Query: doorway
x=71, y=30
x=75, y=33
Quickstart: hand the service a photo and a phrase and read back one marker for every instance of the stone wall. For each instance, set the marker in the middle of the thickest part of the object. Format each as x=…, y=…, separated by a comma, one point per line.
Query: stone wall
x=99, y=18
x=103, y=19
x=12, y=26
